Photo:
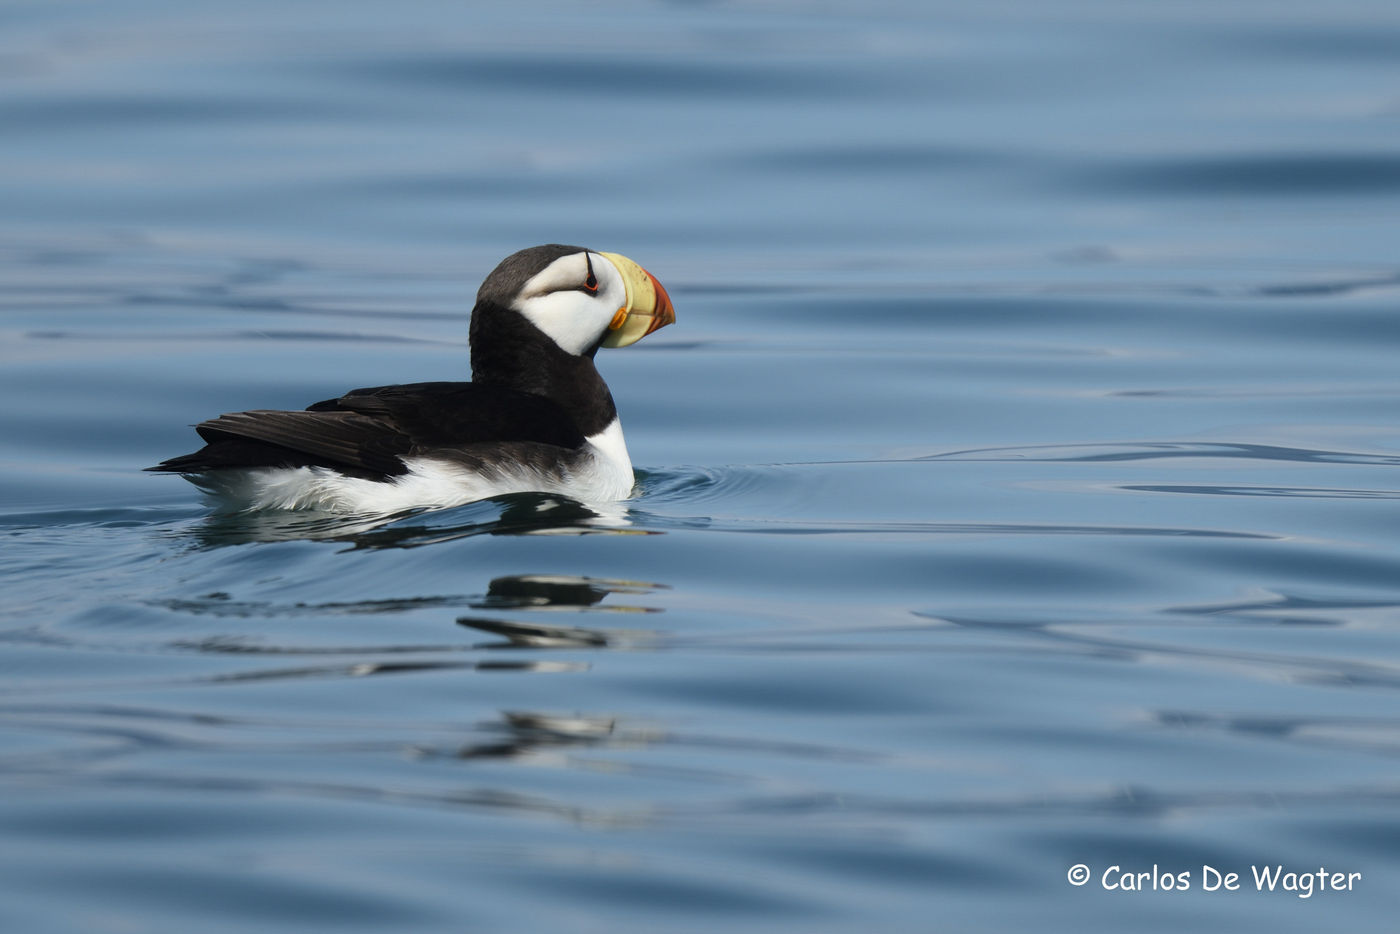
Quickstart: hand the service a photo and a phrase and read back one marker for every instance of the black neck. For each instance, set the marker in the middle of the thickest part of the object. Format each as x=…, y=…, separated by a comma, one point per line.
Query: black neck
x=507, y=350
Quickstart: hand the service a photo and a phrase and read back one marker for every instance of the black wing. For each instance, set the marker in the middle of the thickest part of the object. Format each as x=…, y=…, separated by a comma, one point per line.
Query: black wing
x=448, y=414
x=367, y=432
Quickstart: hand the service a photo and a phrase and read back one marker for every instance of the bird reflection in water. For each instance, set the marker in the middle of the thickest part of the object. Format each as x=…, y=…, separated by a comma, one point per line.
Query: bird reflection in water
x=560, y=592
x=526, y=733
x=552, y=737
x=515, y=514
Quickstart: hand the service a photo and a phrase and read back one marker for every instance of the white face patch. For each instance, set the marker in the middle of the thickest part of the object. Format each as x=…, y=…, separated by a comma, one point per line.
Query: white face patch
x=555, y=302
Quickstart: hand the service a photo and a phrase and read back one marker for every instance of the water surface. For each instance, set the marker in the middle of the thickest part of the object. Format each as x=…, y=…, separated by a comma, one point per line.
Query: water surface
x=1016, y=490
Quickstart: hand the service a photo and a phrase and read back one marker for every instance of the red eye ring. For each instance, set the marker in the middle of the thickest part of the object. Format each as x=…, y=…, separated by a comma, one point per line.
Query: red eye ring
x=590, y=284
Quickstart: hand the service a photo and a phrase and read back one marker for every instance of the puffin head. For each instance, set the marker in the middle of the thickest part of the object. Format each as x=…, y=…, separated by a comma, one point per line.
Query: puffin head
x=579, y=298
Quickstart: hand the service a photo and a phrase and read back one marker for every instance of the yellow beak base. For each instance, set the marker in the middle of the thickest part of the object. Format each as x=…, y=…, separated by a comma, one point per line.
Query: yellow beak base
x=648, y=306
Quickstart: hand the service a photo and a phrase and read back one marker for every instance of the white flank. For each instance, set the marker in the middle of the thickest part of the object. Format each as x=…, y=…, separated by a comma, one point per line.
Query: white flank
x=614, y=465
x=602, y=474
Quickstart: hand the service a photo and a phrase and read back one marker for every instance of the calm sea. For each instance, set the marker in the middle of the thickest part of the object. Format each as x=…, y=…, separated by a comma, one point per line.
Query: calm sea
x=1019, y=489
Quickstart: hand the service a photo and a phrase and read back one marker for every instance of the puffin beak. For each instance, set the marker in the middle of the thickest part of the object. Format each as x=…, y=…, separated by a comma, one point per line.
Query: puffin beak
x=648, y=306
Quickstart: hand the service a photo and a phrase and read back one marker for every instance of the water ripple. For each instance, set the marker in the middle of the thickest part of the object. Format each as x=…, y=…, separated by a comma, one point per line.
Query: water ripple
x=1367, y=734
x=1315, y=670
x=1259, y=175
x=591, y=76
x=1202, y=489
x=1158, y=450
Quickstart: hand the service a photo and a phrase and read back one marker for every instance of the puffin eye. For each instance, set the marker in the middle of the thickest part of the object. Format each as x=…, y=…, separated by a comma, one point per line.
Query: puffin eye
x=590, y=285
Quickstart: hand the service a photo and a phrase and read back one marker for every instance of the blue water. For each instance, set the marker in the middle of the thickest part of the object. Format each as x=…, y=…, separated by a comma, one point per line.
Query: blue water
x=1017, y=488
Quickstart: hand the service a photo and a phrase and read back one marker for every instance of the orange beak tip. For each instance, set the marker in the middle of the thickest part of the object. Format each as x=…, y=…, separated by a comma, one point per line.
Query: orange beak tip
x=665, y=311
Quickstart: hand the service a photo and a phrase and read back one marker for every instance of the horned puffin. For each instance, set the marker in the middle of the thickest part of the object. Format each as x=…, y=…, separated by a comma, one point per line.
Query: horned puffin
x=536, y=417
